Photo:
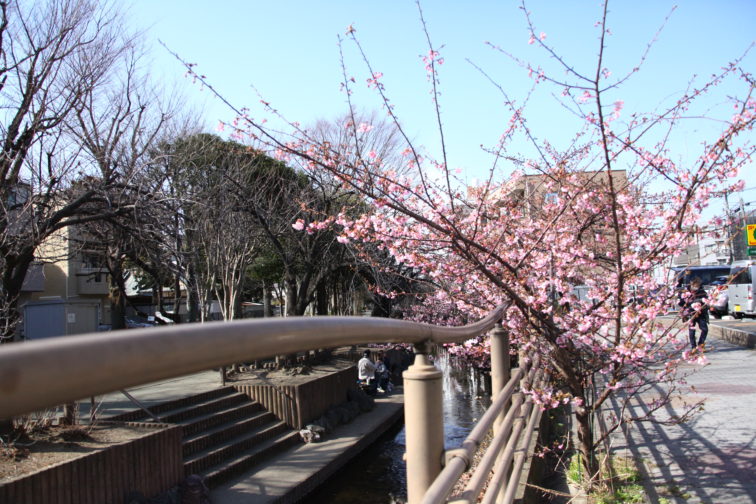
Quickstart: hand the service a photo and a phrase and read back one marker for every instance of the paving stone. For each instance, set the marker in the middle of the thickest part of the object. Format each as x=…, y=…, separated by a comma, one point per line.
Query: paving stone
x=712, y=458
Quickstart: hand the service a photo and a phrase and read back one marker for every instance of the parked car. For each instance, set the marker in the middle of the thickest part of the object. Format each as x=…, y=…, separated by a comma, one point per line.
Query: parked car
x=707, y=274
x=714, y=280
x=742, y=288
x=135, y=323
x=718, y=297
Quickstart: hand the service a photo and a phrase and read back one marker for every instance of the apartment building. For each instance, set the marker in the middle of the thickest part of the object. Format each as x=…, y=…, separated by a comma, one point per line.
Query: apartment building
x=68, y=288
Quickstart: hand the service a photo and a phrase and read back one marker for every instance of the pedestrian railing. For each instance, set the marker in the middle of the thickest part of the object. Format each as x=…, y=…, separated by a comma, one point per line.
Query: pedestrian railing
x=39, y=374
x=499, y=470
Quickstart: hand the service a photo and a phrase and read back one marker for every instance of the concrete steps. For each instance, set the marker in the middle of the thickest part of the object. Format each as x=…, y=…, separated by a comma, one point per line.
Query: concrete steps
x=202, y=439
x=226, y=460
x=159, y=409
x=225, y=432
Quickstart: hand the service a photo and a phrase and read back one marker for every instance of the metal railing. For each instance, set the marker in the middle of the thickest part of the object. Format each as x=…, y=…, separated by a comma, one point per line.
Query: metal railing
x=38, y=374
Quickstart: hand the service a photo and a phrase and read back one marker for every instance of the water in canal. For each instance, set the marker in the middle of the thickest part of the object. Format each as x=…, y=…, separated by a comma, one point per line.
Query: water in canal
x=378, y=475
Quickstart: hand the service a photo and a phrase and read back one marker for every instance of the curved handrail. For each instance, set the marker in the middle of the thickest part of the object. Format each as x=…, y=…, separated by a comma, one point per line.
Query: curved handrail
x=44, y=373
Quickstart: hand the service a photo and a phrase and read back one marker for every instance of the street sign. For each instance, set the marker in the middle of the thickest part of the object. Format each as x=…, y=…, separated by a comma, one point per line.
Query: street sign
x=751, y=235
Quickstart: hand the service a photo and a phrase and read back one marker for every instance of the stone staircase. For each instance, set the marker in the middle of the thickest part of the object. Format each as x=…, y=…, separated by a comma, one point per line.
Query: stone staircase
x=225, y=432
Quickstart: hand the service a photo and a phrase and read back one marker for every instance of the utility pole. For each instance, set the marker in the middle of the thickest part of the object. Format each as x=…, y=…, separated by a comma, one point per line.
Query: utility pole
x=728, y=227
x=742, y=211
x=744, y=217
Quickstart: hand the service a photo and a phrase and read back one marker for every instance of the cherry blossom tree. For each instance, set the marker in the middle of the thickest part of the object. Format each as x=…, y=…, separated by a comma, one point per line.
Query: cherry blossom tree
x=567, y=238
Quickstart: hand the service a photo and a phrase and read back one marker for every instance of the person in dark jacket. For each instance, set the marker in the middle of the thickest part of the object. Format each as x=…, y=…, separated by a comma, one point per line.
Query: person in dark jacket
x=693, y=309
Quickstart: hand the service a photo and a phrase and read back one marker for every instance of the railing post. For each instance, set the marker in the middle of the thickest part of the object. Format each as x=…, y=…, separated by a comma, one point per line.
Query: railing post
x=424, y=423
x=500, y=366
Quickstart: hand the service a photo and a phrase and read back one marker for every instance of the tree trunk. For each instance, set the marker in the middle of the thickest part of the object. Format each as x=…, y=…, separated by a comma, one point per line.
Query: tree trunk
x=585, y=446
x=322, y=299
x=16, y=266
x=155, y=299
x=336, y=301
x=291, y=296
x=291, y=311
x=70, y=414
x=238, y=310
x=157, y=292
x=177, y=297
x=117, y=294
x=356, y=304
x=117, y=309
x=192, y=297
x=267, y=301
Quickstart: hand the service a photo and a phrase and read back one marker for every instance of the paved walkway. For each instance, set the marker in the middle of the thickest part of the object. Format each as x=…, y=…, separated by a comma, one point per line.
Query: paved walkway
x=745, y=324
x=712, y=458
x=152, y=393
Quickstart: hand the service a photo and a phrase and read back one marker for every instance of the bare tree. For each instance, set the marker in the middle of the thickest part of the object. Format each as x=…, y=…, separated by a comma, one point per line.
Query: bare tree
x=283, y=204
x=209, y=239
x=53, y=54
x=349, y=140
x=117, y=127
x=229, y=240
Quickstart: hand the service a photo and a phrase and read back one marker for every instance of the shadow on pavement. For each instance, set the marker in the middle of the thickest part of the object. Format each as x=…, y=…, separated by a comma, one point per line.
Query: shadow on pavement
x=687, y=463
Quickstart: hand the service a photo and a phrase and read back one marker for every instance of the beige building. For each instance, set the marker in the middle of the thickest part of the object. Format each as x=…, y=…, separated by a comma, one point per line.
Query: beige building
x=65, y=290
x=528, y=194
x=534, y=190
x=65, y=270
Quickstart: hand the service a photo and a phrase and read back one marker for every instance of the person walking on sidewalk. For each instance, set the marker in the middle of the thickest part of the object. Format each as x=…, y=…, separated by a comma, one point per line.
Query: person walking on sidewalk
x=694, y=311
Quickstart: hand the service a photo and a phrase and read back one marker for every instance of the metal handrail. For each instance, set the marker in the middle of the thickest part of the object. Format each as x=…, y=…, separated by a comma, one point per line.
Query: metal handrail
x=458, y=461
x=520, y=456
x=503, y=485
x=500, y=452
x=38, y=374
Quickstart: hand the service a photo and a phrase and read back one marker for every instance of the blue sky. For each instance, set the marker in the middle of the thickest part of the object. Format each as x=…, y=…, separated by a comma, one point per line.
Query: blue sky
x=288, y=51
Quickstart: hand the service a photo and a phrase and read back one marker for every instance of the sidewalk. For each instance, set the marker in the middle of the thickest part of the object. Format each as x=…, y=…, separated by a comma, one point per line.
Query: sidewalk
x=152, y=393
x=712, y=458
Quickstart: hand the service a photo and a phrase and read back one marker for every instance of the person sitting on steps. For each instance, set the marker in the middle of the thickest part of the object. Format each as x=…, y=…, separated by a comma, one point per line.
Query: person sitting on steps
x=382, y=374
x=366, y=373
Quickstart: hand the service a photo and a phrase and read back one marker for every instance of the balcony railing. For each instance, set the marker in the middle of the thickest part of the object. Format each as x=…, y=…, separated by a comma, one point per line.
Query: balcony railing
x=92, y=281
x=39, y=374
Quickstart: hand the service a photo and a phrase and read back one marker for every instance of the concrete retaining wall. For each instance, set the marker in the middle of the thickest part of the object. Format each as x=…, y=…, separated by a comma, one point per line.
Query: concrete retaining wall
x=298, y=405
x=734, y=336
x=150, y=465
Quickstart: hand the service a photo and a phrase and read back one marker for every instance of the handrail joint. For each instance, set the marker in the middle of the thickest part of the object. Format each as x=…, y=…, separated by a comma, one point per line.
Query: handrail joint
x=460, y=453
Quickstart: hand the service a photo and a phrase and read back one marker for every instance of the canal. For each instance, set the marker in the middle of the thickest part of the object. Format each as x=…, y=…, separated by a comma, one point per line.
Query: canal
x=378, y=475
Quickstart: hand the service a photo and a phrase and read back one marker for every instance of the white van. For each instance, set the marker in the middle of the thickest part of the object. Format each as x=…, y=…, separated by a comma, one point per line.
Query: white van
x=742, y=289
